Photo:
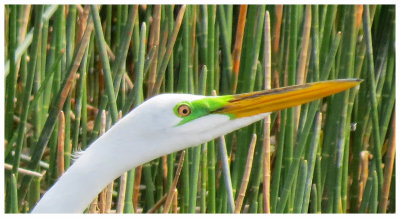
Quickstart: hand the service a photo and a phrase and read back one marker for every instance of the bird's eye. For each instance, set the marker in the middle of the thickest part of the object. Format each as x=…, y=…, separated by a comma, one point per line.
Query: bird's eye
x=184, y=110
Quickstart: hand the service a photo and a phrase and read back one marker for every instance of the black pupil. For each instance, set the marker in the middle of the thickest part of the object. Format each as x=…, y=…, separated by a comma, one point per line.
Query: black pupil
x=185, y=111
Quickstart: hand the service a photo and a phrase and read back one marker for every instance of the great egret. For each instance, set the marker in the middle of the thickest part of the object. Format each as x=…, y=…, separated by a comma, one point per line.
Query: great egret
x=164, y=124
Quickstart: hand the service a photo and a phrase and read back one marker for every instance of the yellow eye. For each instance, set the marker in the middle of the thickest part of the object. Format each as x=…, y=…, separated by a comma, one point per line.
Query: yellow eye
x=184, y=110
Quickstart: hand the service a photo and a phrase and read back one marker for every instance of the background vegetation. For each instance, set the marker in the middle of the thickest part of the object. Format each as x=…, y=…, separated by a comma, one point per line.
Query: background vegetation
x=73, y=71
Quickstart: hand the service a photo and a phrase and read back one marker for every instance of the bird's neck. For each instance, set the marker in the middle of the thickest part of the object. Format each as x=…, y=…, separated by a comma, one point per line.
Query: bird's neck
x=105, y=160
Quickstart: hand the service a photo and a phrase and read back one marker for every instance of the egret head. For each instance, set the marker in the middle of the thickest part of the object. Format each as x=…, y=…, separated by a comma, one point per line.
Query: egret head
x=196, y=119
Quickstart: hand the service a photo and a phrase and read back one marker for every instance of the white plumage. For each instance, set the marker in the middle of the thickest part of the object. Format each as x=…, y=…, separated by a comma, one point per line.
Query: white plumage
x=147, y=132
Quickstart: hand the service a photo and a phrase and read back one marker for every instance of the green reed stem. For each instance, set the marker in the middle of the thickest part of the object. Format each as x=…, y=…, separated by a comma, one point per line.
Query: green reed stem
x=78, y=101
x=104, y=59
x=312, y=155
x=12, y=77
x=19, y=51
x=139, y=70
x=300, y=188
x=227, y=71
x=14, y=194
x=373, y=100
x=226, y=173
x=27, y=90
x=298, y=153
x=314, y=200
x=122, y=50
x=128, y=204
x=276, y=175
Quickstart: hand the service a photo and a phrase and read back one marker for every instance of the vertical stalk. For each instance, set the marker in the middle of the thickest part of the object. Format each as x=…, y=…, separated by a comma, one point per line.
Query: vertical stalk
x=300, y=188
x=227, y=70
x=211, y=11
x=106, y=65
x=60, y=146
x=28, y=89
x=79, y=95
x=69, y=47
x=267, y=120
x=236, y=53
x=276, y=175
x=12, y=76
x=290, y=121
x=373, y=99
x=154, y=41
x=246, y=175
x=312, y=155
x=14, y=194
x=389, y=164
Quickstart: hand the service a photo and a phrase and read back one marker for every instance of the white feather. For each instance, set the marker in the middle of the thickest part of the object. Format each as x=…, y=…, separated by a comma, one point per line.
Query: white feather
x=144, y=134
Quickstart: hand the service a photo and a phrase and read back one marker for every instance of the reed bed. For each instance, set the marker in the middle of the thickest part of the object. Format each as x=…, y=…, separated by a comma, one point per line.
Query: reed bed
x=72, y=71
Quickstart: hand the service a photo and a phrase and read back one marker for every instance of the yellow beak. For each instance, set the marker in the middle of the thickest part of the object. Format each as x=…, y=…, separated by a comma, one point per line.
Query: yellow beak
x=249, y=104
